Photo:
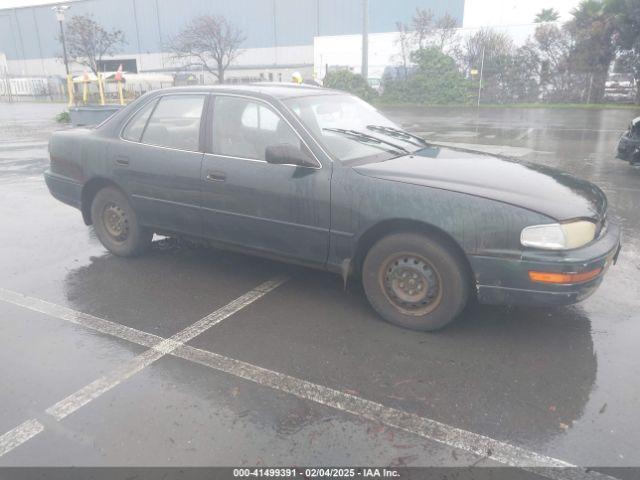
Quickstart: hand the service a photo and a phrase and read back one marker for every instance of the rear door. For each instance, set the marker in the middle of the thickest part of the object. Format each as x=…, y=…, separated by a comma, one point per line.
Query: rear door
x=158, y=162
x=281, y=209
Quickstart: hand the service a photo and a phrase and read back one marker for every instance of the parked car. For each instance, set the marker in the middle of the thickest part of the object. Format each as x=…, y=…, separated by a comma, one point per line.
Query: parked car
x=375, y=83
x=629, y=144
x=321, y=178
x=620, y=87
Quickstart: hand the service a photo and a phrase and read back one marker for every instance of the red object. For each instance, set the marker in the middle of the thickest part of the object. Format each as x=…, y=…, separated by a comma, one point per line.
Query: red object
x=119, y=73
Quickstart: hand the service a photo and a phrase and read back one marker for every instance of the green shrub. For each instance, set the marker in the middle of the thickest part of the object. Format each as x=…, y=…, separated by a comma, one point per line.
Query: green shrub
x=63, y=117
x=350, y=82
x=436, y=81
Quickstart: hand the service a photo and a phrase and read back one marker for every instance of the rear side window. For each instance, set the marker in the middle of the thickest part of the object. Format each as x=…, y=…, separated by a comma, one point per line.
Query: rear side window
x=175, y=123
x=134, y=128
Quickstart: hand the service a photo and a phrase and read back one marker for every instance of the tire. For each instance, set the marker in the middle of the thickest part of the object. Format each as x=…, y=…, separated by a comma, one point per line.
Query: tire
x=415, y=281
x=116, y=224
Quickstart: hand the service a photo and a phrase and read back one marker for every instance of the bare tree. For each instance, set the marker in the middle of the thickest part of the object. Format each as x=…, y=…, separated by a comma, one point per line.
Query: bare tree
x=423, y=25
x=404, y=43
x=446, y=31
x=211, y=40
x=494, y=44
x=87, y=41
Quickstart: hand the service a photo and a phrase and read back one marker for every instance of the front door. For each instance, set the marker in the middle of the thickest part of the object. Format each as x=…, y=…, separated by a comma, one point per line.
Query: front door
x=280, y=209
x=159, y=160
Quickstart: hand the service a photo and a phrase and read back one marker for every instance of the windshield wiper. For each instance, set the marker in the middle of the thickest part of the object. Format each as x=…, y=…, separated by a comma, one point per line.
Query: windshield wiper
x=396, y=132
x=366, y=138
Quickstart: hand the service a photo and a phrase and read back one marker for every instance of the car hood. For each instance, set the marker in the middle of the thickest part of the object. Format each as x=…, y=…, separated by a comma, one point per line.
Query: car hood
x=534, y=187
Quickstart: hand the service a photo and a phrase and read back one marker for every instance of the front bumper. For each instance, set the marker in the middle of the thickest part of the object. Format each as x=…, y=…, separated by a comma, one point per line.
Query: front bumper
x=505, y=281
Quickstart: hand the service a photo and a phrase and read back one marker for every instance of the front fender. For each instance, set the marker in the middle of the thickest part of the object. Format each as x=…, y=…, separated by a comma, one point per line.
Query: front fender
x=478, y=225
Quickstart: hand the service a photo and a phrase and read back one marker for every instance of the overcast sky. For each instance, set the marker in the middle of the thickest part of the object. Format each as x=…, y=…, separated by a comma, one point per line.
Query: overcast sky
x=24, y=3
x=510, y=12
x=477, y=12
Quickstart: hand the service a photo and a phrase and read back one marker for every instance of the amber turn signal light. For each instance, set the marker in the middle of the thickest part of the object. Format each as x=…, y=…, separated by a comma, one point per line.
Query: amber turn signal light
x=550, y=277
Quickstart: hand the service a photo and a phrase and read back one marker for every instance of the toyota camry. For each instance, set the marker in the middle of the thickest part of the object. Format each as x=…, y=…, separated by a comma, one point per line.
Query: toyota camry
x=321, y=178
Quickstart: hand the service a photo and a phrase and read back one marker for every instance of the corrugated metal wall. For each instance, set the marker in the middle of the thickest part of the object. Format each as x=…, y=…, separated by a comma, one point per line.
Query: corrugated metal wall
x=31, y=32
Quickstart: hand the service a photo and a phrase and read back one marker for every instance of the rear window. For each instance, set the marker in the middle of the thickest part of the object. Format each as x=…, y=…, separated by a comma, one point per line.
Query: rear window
x=135, y=127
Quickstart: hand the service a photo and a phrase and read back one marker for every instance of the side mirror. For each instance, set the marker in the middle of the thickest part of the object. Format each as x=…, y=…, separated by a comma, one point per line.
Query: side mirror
x=287, y=154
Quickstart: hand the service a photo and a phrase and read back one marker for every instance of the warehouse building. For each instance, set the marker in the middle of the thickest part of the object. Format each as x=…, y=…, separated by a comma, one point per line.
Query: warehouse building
x=279, y=33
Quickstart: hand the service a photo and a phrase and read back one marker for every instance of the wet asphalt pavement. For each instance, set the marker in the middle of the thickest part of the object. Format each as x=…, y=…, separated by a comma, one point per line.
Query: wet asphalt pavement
x=561, y=382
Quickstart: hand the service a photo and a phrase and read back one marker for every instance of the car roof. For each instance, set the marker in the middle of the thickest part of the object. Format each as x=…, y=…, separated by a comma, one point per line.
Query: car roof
x=276, y=90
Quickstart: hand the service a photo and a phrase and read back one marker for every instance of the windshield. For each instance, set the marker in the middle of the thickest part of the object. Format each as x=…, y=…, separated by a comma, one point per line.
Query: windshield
x=343, y=124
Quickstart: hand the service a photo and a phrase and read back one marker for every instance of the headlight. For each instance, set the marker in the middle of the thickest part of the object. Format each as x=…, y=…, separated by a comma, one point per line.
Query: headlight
x=559, y=236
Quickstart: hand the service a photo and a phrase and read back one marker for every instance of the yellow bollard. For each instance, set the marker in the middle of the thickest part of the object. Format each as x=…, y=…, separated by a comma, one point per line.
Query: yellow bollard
x=120, y=92
x=100, y=89
x=85, y=91
x=70, y=90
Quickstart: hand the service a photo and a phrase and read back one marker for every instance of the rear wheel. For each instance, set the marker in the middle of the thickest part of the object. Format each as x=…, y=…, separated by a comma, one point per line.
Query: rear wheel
x=415, y=281
x=116, y=224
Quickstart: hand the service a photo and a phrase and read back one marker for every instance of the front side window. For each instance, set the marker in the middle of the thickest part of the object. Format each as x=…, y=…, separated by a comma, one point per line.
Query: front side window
x=260, y=117
x=135, y=127
x=175, y=123
x=244, y=128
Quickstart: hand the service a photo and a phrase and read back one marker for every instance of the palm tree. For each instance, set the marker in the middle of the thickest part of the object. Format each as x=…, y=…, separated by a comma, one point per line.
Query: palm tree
x=547, y=15
x=592, y=29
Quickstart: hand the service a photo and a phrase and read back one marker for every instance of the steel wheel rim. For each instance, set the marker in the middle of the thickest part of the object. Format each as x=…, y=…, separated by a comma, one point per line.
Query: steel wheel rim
x=411, y=283
x=115, y=222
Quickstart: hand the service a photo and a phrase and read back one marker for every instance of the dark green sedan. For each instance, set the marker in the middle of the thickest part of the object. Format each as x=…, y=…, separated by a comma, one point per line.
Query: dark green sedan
x=321, y=178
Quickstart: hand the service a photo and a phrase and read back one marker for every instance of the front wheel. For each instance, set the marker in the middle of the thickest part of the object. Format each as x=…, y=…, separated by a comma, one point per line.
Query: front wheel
x=116, y=224
x=415, y=281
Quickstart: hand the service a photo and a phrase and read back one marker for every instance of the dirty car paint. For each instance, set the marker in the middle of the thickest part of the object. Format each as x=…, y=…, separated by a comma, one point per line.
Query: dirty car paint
x=326, y=217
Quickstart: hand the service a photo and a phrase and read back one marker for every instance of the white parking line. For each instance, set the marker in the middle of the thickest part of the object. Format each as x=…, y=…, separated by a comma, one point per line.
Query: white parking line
x=78, y=399
x=90, y=392
x=19, y=435
x=424, y=427
x=89, y=321
x=524, y=134
x=458, y=438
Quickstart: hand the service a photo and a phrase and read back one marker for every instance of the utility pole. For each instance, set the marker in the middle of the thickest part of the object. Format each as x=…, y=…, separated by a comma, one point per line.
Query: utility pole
x=481, y=72
x=365, y=39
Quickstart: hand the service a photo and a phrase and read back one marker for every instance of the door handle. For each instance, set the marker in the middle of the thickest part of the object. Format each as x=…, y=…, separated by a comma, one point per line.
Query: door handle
x=122, y=160
x=216, y=176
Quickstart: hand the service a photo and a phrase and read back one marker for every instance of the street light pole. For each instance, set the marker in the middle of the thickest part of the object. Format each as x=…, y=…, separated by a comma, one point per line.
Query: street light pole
x=59, y=11
x=365, y=39
x=64, y=48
